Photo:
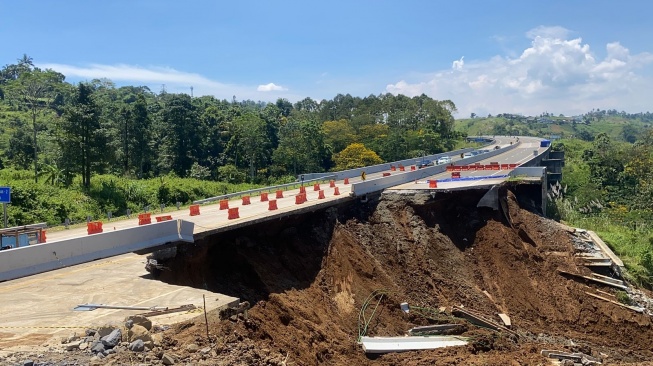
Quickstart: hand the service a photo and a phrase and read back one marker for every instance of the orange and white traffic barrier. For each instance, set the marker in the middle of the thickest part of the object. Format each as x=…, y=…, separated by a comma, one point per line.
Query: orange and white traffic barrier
x=332, y=183
x=272, y=205
x=233, y=213
x=402, y=168
x=433, y=184
x=316, y=187
x=194, y=210
x=346, y=180
x=300, y=198
x=386, y=174
x=163, y=218
x=224, y=204
x=144, y=218
x=392, y=168
x=336, y=191
x=43, y=238
x=302, y=189
x=412, y=167
x=320, y=195
x=279, y=194
x=246, y=200
x=94, y=227
x=264, y=196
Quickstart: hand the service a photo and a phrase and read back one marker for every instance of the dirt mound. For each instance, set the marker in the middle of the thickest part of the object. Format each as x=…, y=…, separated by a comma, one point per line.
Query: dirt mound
x=308, y=278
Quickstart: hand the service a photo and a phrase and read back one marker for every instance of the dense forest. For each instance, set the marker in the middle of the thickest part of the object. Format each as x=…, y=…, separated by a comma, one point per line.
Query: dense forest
x=61, y=130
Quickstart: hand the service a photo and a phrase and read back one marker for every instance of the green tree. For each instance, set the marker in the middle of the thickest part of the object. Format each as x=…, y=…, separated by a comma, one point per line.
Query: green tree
x=36, y=90
x=249, y=140
x=81, y=139
x=302, y=148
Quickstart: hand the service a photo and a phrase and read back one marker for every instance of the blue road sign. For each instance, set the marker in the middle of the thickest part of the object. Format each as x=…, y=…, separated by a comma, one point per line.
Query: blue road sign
x=5, y=194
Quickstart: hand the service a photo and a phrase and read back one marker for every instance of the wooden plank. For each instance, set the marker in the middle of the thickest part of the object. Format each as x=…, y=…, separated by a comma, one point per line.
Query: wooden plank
x=597, y=280
x=604, y=247
x=505, y=319
x=633, y=308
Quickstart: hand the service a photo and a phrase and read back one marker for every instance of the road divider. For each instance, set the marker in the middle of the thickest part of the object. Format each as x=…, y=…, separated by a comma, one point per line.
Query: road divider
x=194, y=210
x=163, y=218
x=272, y=205
x=246, y=200
x=144, y=219
x=94, y=227
x=264, y=197
x=224, y=204
x=232, y=213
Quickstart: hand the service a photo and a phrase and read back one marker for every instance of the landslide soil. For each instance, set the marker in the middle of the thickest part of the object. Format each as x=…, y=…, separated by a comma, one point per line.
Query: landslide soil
x=307, y=279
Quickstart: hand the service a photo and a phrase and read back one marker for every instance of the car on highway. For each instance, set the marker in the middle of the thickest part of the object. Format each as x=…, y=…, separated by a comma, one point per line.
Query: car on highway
x=444, y=160
x=467, y=155
x=424, y=163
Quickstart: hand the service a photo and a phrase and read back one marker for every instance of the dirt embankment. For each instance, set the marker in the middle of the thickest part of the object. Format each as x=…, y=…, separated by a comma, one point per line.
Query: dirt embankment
x=307, y=279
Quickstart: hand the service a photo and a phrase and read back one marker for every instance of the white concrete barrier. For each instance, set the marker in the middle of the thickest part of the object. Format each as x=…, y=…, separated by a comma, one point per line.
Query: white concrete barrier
x=375, y=185
x=29, y=260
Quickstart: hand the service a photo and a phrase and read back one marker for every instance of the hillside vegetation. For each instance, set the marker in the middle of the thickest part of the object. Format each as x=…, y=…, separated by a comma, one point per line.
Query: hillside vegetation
x=619, y=126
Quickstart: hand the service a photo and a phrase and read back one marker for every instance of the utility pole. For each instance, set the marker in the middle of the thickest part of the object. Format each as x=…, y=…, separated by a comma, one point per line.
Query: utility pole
x=191, y=92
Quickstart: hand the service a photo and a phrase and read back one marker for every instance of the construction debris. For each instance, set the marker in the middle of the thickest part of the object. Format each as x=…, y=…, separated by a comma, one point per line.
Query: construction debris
x=602, y=280
x=633, y=308
x=179, y=309
x=91, y=307
x=505, y=319
x=402, y=344
x=480, y=319
x=577, y=357
x=436, y=329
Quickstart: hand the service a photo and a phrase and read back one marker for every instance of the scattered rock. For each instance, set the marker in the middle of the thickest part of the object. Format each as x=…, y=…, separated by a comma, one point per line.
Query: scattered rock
x=97, y=347
x=167, y=359
x=140, y=320
x=105, y=330
x=138, y=332
x=129, y=323
x=137, y=346
x=192, y=348
x=73, y=338
x=149, y=344
x=73, y=346
x=83, y=346
x=112, y=339
x=205, y=350
x=90, y=332
x=28, y=363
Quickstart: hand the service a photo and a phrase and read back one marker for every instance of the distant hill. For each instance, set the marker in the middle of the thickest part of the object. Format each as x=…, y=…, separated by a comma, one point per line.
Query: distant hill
x=619, y=126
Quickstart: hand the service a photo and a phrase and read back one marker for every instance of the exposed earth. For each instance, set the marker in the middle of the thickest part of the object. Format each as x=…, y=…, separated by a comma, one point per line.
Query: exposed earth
x=308, y=277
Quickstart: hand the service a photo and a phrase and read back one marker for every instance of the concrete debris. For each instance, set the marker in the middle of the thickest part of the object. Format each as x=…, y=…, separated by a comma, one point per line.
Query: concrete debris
x=140, y=320
x=97, y=347
x=28, y=363
x=401, y=344
x=192, y=348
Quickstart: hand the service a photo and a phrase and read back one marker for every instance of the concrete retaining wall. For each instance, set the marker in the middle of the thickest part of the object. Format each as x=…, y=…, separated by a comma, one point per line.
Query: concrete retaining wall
x=29, y=260
x=378, y=184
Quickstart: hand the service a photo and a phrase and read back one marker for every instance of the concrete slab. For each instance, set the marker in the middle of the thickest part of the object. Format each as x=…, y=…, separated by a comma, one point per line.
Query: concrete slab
x=39, y=307
x=604, y=247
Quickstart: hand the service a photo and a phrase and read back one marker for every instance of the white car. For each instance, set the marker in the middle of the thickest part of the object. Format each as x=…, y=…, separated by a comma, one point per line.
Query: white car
x=467, y=155
x=444, y=160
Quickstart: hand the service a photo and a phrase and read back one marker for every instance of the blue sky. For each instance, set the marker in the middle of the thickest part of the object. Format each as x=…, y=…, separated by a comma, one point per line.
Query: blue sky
x=486, y=56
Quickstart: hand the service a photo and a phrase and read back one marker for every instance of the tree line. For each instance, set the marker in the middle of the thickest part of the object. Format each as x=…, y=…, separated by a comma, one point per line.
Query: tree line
x=61, y=130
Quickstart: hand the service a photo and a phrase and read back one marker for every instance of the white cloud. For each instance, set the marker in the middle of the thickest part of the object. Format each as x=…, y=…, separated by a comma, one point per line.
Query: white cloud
x=270, y=87
x=458, y=64
x=556, y=73
x=175, y=81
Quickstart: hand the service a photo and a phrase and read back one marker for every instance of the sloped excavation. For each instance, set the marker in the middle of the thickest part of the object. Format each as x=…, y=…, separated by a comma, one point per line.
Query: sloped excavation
x=318, y=282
